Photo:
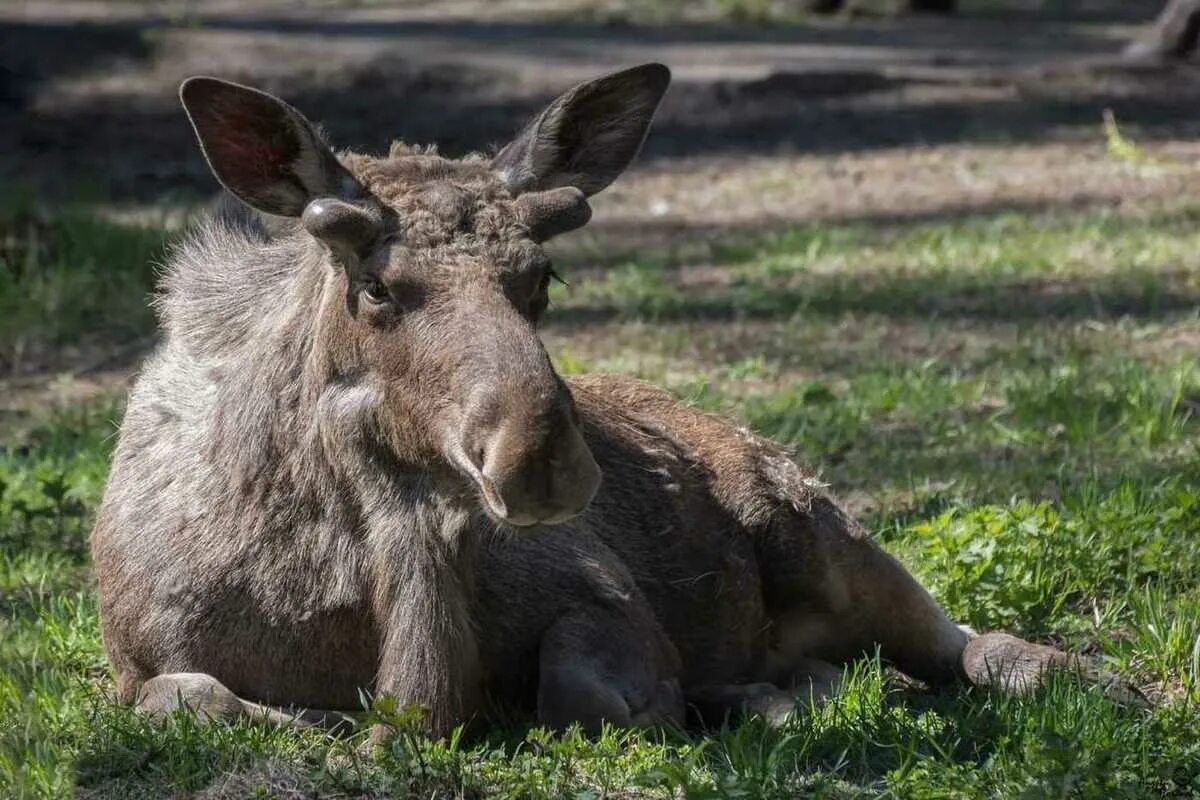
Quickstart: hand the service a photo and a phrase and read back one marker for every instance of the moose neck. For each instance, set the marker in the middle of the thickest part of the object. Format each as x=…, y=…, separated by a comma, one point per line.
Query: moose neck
x=421, y=540
x=292, y=432
x=424, y=595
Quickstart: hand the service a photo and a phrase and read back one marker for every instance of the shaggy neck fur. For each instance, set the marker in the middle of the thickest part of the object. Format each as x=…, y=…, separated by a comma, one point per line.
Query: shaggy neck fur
x=252, y=309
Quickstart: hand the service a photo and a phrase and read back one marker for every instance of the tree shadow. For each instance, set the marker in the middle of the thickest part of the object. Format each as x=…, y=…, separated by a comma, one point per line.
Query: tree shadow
x=34, y=54
x=1142, y=295
x=676, y=243
x=974, y=35
x=464, y=85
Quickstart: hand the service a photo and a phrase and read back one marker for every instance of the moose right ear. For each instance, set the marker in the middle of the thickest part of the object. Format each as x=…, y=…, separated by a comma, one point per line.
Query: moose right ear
x=261, y=149
x=586, y=137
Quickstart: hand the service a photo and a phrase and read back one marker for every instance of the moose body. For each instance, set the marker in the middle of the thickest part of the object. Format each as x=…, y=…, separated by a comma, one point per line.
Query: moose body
x=350, y=466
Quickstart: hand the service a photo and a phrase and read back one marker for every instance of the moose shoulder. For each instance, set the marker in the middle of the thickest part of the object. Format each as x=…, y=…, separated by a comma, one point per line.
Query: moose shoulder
x=351, y=467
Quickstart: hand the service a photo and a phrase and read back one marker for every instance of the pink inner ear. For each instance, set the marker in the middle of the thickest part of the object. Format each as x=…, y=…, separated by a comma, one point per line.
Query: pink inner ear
x=253, y=143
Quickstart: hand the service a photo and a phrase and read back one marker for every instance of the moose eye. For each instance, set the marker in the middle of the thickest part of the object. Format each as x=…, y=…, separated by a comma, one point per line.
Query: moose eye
x=540, y=299
x=376, y=292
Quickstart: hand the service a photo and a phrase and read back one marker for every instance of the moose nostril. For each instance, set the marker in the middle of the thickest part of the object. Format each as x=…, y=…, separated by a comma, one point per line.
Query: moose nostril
x=477, y=457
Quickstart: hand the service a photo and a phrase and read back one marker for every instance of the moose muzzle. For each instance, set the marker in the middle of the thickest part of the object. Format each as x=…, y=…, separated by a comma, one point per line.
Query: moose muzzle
x=528, y=456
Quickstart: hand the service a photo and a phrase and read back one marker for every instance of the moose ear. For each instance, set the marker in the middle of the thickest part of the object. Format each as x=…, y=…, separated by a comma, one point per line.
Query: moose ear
x=261, y=149
x=588, y=136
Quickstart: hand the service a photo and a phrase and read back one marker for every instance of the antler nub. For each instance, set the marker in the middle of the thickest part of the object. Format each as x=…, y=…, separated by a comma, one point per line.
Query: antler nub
x=553, y=212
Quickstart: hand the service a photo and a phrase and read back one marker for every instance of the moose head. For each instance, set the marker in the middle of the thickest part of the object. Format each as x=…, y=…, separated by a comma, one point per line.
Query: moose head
x=433, y=276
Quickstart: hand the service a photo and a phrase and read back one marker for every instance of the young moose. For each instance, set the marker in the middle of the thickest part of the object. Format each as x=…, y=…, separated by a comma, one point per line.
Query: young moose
x=351, y=467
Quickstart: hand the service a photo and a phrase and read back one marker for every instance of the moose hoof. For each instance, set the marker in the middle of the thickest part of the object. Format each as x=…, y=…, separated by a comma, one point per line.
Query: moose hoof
x=814, y=681
x=202, y=694
x=1018, y=667
x=769, y=703
x=715, y=704
x=1008, y=663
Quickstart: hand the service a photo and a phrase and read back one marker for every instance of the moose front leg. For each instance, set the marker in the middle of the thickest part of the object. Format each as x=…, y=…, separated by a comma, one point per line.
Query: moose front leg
x=429, y=653
x=437, y=671
x=211, y=701
x=598, y=666
x=430, y=658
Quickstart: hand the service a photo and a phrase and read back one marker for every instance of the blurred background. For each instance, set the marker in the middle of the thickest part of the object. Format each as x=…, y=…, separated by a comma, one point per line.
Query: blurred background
x=88, y=88
x=792, y=125
x=871, y=112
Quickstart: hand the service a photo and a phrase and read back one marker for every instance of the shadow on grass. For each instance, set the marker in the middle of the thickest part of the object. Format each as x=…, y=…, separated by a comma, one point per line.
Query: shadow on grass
x=940, y=478
x=36, y=54
x=430, y=94
x=1142, y=294
x=677, y=245
x=992, y=263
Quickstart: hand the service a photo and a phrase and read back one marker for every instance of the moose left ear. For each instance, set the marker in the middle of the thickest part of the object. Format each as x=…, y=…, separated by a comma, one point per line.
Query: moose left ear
x=588, y=136
x=261, y=149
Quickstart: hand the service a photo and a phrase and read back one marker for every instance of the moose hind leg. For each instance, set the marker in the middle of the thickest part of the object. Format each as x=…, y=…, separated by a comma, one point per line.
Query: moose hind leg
x=834, y=594
x=1018, y=667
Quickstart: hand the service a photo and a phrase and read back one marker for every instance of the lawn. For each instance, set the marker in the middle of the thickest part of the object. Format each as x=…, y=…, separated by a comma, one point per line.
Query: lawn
x=1011, y=400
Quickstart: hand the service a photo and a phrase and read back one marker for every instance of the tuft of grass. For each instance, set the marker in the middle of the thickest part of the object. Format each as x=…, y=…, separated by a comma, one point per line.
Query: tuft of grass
x=1121, y=147
x=1043, y=569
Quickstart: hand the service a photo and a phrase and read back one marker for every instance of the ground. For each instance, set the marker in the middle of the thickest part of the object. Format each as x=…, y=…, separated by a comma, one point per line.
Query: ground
x=913, y=250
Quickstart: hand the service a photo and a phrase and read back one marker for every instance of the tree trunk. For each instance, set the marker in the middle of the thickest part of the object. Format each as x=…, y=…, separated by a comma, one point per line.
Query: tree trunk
x=926, y=6
x=1175, y=34
x=822, y=6
x=932, y=6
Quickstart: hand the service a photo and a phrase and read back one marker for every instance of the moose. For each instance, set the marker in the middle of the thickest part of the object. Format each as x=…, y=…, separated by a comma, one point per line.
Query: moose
x=350, y=468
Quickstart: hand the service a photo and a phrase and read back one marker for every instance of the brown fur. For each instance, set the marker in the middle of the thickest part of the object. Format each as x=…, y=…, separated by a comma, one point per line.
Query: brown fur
x=317, y=494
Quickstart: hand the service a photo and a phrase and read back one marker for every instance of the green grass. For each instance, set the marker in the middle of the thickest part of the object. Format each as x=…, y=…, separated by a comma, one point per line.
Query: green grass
x=1009, y=400
x=69, y=278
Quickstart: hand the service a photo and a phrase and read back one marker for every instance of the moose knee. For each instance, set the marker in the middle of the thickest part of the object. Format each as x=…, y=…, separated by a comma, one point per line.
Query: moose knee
x=129, y=686
x=567, y=695
x=202, y=694
x=666, y=706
